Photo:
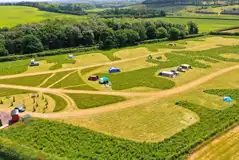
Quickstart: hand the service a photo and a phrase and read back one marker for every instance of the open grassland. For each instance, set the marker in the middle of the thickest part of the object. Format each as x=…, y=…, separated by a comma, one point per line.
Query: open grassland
x=76, y=140
x=71, y=80
x=10, y=92
x=60, y=103
x=26, y=81
x=205, y=25
x=13, y=15
x=224, y=147
x=84, y=101
x=14, y=67
x=53, y=79
x=81, y=87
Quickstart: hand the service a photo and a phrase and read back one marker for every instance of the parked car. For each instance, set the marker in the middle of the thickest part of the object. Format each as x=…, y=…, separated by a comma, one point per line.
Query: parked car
x=93, y=78
x=175, y=72
x=20, y=108
x=180, y=69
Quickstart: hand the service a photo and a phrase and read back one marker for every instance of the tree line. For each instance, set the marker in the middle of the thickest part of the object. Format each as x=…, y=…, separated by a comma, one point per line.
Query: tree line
x=107, y=33
x=73, y=8
x=136, y=13
x=152, y=3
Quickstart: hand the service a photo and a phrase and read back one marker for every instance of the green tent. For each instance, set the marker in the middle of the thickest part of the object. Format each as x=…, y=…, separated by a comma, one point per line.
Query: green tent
x=104, y=80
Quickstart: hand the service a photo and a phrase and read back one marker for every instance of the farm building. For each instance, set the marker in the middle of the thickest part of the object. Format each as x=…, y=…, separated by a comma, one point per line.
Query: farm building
x=34, y=63
x=15, y=115
x=186, y=66
x=167, y=74
x=93, y=78
x=114, y=70
x=104, y=80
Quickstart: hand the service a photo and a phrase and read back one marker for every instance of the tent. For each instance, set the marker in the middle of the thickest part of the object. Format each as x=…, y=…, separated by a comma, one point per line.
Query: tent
x=104, y=80
x=227, y=99
x=114, y=70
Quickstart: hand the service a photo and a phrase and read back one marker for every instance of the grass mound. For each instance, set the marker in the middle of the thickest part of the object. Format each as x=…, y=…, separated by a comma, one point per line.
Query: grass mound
x=85, y=101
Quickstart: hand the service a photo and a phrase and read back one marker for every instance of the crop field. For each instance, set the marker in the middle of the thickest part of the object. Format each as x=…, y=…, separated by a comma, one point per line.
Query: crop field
x=11, y=16
x=88, y=120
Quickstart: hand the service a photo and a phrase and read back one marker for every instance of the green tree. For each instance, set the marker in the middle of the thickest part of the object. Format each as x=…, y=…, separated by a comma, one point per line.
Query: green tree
x=132, y=36
x=151, y=32
x=3, y=50
x=121, y=37
x=31, y=44
x=174, y=33
x=107, y=39
x=192, y=28
x=162, y=32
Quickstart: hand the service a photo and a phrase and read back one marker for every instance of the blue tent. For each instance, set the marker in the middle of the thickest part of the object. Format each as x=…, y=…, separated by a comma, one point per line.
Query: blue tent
x=227, y=99
x=114, y=70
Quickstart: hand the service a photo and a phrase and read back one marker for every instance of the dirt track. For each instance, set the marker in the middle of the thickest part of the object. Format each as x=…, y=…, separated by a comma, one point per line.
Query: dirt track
x=145, y=97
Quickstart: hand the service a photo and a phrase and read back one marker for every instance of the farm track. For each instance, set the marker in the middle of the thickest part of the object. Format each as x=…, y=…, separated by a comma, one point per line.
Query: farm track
x=139, y=98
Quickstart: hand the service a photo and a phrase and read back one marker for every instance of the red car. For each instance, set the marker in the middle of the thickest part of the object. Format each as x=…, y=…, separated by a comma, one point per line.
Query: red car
x=93, y=78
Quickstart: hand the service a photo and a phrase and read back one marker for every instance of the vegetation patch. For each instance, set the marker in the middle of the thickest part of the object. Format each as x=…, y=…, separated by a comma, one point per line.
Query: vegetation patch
x=85, y=101
x=87, y=70
x=59, y=60
x=55, y=78
x=8, y=92
x=26, y=81
x=13, y=67
x=60, y=105
x=71, y=80
x=46, y=135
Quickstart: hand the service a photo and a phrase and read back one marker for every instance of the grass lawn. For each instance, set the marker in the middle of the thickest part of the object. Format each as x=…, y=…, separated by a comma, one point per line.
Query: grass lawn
x=71, y=80
x=13, y=15
x=85, y=101
x=59, y=60
x=13, y=67
x=26, y=81
x=10, y=92
x=60, y=103
x=55, y=78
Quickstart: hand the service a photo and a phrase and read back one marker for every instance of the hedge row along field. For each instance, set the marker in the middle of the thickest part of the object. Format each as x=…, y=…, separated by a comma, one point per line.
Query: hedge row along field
x=85, y=101
x=81, y=143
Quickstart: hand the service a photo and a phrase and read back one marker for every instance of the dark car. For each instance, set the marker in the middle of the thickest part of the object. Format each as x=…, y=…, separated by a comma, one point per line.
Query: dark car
x=175, y=72
x=93, y=78
x=20, y=108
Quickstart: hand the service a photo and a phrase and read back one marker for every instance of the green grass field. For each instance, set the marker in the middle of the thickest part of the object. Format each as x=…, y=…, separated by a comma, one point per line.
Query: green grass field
x=10, y=92
x=60, y=105
x=82, y=87
x=55, y=78
x=72, y=80
x=26, y=81
x=85, y=101
x=13, y=15
x=14, y=67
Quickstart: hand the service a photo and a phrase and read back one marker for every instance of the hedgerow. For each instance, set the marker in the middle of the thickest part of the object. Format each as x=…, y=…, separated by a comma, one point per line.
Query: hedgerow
x=73, y=142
